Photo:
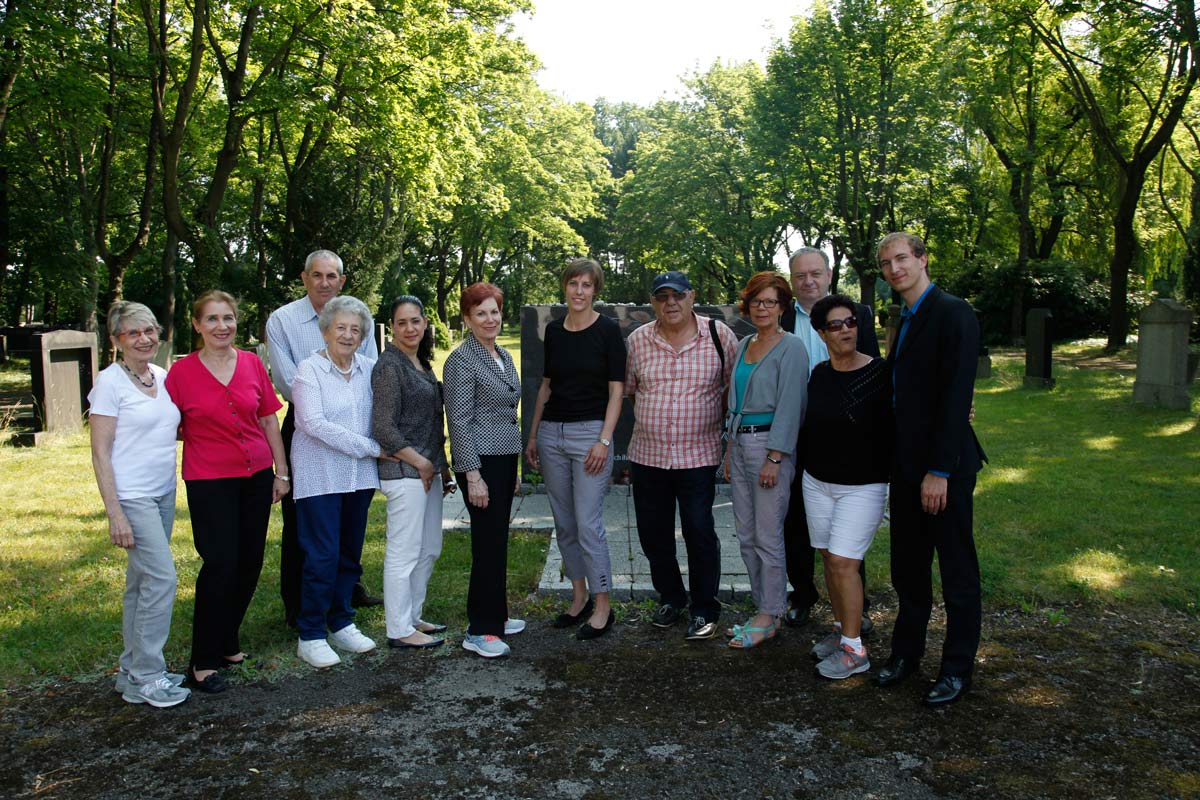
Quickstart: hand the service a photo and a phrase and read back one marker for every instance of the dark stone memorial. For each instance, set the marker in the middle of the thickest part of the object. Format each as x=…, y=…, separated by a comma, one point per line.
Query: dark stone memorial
x=1039, y=336
x=630, y=317
x=892, y=328
x=1163, y=356
x=63, y=369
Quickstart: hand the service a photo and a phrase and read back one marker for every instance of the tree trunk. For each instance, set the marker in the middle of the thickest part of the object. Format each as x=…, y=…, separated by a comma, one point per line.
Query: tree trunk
x=1124, y=251
x=167, y=309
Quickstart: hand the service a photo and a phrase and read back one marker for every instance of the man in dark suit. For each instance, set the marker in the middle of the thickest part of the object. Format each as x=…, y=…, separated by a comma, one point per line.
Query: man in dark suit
x=933, y=475
x=811, y=278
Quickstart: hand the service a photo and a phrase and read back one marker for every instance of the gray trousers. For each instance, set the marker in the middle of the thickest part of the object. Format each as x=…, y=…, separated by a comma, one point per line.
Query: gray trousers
x=149, y=586
x=758, y=515
x=577, y=500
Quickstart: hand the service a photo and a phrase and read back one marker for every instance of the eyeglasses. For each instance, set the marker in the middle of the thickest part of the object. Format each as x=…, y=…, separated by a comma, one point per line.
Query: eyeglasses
x=151, y=333
x=764, y=302
x=838, y=324
x=669, y=297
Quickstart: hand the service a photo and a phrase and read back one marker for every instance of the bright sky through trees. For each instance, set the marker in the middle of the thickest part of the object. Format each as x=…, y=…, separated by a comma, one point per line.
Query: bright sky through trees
x=636, y=50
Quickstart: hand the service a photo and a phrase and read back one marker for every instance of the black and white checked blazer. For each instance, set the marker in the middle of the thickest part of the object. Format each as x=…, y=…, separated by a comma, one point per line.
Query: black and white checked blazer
x=481, y=404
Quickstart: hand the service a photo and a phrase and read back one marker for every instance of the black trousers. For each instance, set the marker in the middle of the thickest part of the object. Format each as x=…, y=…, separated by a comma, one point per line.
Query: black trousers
x=916, y=536
x=656, y=492
x=487, y=594
x=800, y=555
x=229, y=528
x=291, y=556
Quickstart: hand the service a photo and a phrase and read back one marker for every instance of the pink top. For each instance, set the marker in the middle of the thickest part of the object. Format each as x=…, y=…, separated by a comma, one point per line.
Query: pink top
x=221, y=436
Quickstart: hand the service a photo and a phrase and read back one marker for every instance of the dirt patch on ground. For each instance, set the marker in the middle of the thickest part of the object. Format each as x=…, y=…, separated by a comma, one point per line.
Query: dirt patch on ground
x=1098, y=704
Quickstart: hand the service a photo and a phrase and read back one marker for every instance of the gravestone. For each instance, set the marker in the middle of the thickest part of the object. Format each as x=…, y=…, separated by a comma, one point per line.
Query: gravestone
x=892, y=329
x=63, y=369
x=1163, y=355
x=1039, y=336
x=534, y=319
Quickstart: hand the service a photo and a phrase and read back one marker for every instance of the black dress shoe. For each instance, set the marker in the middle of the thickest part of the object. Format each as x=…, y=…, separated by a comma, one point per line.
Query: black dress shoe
x=360, y=598
x=213, y=684
x=895, y=671
x=945, y=690
x=797, y=616
x=565, y=620
x=586, y=631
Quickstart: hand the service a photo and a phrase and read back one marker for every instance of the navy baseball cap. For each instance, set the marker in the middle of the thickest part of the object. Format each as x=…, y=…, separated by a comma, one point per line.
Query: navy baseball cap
x=672, y=280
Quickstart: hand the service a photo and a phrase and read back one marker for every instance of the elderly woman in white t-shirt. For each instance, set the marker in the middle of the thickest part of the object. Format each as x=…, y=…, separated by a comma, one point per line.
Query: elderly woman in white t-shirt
x=133, y=428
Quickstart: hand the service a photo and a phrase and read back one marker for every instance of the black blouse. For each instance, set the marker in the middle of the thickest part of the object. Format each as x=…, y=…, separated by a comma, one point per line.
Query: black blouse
x=848, y=433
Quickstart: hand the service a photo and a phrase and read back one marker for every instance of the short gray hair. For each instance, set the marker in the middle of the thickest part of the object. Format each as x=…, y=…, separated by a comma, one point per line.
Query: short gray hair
x=324, y=255
x=804, y=251
x=124, y=311
x=341, y=304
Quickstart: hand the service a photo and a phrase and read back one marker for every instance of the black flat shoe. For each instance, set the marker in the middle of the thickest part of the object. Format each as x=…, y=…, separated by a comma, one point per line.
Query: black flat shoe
x=946, y=690
x=586, y=631
x=227, y=664
x=398, y=644
x=895, y=671
x=797, y=617
x=213, y=684
x=565, y=620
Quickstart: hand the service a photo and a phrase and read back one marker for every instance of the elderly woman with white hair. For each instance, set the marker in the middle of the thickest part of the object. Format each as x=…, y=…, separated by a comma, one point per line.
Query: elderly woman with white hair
x=335, y=478
x=133, y=424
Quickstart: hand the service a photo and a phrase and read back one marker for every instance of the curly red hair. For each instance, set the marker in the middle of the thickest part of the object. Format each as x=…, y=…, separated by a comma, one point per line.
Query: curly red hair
x=476, y=293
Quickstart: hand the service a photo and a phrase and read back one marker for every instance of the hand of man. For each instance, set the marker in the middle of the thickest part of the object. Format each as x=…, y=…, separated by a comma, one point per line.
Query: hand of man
x=933, y=493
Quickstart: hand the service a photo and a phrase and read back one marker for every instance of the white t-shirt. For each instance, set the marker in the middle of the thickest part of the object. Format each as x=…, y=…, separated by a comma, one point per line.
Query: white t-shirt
x=143, y=454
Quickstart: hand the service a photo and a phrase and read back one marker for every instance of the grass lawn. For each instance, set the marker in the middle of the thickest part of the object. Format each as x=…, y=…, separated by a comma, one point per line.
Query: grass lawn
x=1088, y=497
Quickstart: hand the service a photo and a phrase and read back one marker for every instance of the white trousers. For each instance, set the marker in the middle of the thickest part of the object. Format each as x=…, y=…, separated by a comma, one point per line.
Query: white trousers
x=414, y=542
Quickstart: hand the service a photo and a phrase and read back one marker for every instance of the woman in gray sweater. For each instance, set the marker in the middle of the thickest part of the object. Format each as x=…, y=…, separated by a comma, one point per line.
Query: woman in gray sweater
x=766, y=407
x=407, y=422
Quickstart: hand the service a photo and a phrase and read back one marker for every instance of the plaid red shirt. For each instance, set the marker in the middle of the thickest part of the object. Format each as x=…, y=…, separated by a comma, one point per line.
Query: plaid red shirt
x=677, y=396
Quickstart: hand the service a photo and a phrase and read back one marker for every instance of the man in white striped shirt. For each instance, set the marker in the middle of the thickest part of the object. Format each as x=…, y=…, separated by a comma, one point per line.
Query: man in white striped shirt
x=293, y=335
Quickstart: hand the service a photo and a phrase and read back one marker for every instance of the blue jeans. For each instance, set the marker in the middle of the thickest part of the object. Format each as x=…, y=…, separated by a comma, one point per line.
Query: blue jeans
x=655, y=494
x=331, y=530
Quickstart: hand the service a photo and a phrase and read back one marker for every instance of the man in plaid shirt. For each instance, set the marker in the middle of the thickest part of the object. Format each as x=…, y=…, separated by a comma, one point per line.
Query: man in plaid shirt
x=676, y=371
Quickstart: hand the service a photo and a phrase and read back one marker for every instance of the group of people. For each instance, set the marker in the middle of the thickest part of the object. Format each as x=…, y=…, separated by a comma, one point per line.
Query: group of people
x=805, y=420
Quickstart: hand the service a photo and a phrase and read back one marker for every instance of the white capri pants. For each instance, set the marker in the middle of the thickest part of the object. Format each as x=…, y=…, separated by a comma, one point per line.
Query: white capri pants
x=414, y=542
x=842, y=518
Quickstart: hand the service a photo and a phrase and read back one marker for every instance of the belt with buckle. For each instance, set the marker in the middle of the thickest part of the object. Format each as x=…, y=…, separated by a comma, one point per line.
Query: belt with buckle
x=753, y=428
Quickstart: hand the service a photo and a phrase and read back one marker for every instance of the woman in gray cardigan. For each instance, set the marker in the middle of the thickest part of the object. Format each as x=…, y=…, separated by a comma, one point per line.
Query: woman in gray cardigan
x=407, y=422
x=766, y=407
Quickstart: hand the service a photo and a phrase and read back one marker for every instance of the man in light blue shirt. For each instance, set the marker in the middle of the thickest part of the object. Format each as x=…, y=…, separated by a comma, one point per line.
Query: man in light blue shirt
x=292, y=336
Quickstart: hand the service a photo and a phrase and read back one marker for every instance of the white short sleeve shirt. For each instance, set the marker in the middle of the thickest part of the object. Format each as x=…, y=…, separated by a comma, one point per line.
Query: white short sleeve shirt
x=143, y=454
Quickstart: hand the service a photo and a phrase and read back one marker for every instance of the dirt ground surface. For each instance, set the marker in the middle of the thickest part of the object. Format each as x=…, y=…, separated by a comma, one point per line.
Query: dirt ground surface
x=1081, y=703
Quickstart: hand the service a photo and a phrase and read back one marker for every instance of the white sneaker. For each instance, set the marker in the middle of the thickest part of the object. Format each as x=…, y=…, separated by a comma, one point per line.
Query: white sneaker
x=318, y=653
x=122, y=684
x=160, y=693
x=487, y=646
x=512, y=626
x=350, y=638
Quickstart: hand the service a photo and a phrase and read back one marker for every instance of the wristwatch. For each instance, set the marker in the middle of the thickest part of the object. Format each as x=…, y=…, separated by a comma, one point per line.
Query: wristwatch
x=606, y=442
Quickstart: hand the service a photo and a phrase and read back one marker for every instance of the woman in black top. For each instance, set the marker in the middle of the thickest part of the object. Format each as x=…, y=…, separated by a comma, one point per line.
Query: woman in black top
x=847, y=439
x=578, y=403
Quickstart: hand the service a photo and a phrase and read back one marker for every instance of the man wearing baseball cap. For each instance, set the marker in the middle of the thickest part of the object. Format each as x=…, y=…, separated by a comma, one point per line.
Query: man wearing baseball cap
x=677, y=368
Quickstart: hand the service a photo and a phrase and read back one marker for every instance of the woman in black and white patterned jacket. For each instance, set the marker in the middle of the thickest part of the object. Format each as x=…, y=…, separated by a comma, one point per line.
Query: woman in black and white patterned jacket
x=482, y=390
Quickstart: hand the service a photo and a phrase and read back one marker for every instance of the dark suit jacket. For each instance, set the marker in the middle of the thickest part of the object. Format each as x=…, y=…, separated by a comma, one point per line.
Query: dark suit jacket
x=868, y=341
x=934, y=379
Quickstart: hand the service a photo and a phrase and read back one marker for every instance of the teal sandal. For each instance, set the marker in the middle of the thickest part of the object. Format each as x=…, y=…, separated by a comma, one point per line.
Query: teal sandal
x=743, y=638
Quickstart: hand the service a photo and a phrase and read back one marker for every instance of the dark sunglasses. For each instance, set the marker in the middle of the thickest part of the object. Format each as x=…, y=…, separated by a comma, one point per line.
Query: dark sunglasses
x=838, y=324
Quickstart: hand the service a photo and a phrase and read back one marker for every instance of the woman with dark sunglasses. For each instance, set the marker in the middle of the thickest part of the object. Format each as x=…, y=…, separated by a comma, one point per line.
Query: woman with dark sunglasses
x=847, y=442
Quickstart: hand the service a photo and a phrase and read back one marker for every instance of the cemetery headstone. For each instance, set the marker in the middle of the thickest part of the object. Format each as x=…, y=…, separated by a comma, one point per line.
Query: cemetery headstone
x=63, y=369
x=1163, y=355
x=1039, y=336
